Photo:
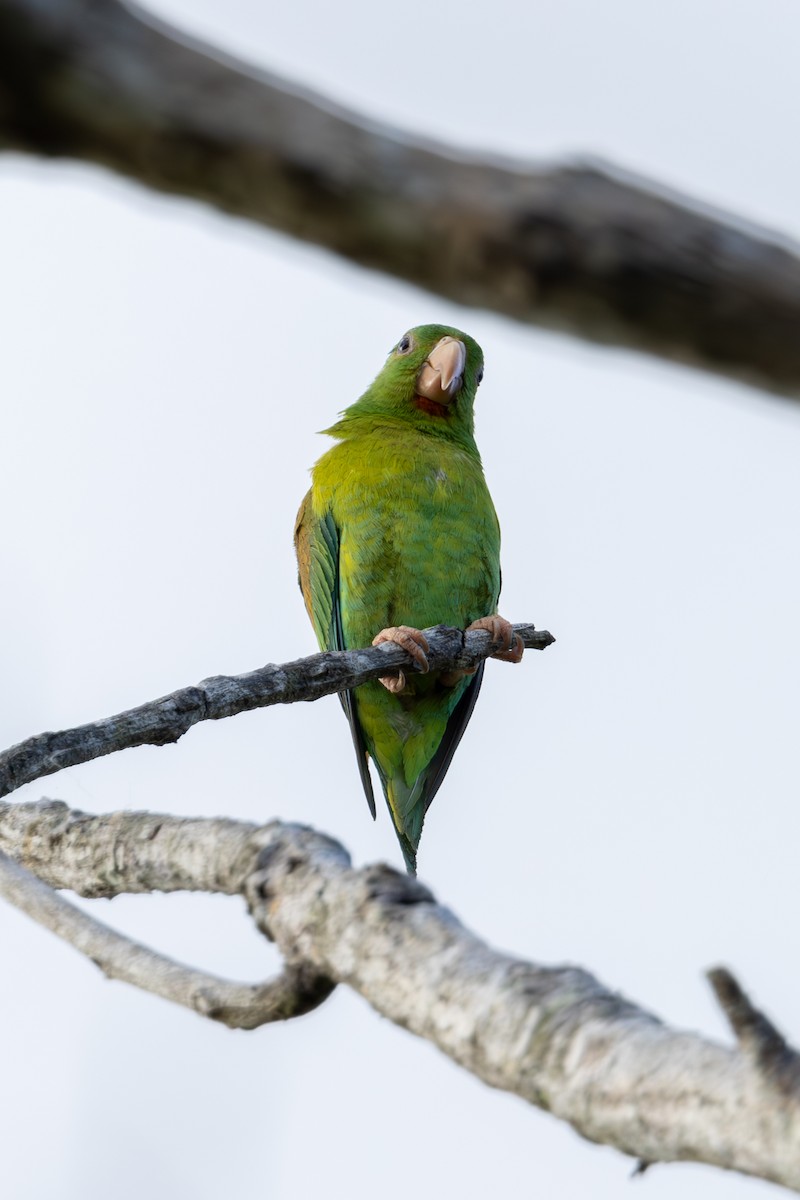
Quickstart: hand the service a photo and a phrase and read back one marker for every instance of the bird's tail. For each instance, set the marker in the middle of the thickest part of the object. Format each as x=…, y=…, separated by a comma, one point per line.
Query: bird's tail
x=409, y=852
x=407, y=809
x=409, y=802
x=407, y=806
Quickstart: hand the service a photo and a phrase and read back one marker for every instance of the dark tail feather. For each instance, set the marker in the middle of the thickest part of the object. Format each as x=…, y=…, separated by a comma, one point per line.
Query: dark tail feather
x=409, y=853
x=459, y=719
x=349, y=707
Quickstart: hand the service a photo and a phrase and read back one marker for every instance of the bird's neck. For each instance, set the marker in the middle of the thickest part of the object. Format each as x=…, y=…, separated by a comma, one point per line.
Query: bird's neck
x=388, y=428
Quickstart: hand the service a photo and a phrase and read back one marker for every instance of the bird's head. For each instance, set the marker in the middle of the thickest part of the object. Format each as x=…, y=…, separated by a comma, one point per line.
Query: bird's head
x=429, y=380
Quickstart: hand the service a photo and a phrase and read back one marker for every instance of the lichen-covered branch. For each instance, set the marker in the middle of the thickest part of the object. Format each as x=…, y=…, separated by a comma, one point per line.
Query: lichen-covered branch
x=580, y=247
x=162, y=721
x=552, y=1035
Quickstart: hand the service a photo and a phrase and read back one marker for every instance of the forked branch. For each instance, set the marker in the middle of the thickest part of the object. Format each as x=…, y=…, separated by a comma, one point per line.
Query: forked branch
x=552, y=1035
x=297, y=990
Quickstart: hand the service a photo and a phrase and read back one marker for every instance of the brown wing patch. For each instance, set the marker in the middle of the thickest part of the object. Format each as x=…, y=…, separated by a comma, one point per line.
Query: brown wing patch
x=302, y=548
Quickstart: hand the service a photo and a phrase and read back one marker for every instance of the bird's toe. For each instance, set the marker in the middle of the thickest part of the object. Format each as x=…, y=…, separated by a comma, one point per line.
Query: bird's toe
x=502, y=633
x=414, y=642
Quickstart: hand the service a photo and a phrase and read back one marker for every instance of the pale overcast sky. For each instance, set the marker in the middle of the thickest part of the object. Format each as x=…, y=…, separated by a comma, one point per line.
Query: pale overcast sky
x=627, y=800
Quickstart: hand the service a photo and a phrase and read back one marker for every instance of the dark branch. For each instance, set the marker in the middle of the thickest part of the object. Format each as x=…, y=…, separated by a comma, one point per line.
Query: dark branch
x=162, y=721
x=580, y=248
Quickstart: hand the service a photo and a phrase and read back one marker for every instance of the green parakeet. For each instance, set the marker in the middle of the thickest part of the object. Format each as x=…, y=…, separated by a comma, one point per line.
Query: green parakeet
x=398, y=532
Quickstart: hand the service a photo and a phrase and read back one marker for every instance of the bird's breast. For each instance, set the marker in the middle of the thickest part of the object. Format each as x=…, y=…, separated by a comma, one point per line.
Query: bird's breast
x=418, y=538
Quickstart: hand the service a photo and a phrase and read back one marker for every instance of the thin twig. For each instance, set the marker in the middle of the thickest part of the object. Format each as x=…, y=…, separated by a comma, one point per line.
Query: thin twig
x=162, y=721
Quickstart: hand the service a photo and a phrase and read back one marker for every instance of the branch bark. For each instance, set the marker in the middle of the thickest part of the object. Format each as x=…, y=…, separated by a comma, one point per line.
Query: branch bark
x=552, y=1035
x=162, y=721
x=581, y=248
x=296, y=991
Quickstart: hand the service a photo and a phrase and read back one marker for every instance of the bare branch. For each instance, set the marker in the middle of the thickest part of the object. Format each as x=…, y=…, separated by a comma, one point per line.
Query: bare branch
x=162, y=721
x=552, y=1035
x=755, y=1033
x=128, y=852
x=297, y=990
x=581, y=248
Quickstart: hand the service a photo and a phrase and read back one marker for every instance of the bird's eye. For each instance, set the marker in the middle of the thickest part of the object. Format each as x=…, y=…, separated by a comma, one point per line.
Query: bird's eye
x=404, y=345
x=480, y=375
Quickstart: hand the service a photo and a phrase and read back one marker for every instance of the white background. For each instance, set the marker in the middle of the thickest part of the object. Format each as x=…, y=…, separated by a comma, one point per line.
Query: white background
x=627, y=800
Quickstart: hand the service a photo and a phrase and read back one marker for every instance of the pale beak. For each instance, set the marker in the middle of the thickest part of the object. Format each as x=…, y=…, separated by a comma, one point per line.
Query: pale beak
x=442, y=373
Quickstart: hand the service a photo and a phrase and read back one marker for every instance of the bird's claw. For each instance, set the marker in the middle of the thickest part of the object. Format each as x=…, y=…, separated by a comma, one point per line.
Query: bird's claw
x=394, y=683
x=501, y=631
x=414, y=642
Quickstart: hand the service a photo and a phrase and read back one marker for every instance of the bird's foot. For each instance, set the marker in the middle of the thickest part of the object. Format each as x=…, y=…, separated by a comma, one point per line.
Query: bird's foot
x=413, y=642
x=501, y=631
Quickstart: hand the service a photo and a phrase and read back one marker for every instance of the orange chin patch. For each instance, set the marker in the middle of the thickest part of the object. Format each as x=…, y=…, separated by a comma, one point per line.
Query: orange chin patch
x=431, y=406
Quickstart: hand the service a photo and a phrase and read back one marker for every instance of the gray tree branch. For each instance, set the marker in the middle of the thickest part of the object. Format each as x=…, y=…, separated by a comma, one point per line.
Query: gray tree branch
x=581, y=248
x=756, y=1035
x=162, y=721
x=552, y=1035
x=297, y=990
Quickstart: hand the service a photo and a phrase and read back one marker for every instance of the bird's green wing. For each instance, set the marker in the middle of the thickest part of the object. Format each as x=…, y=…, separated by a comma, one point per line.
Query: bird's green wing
x=316, y=541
